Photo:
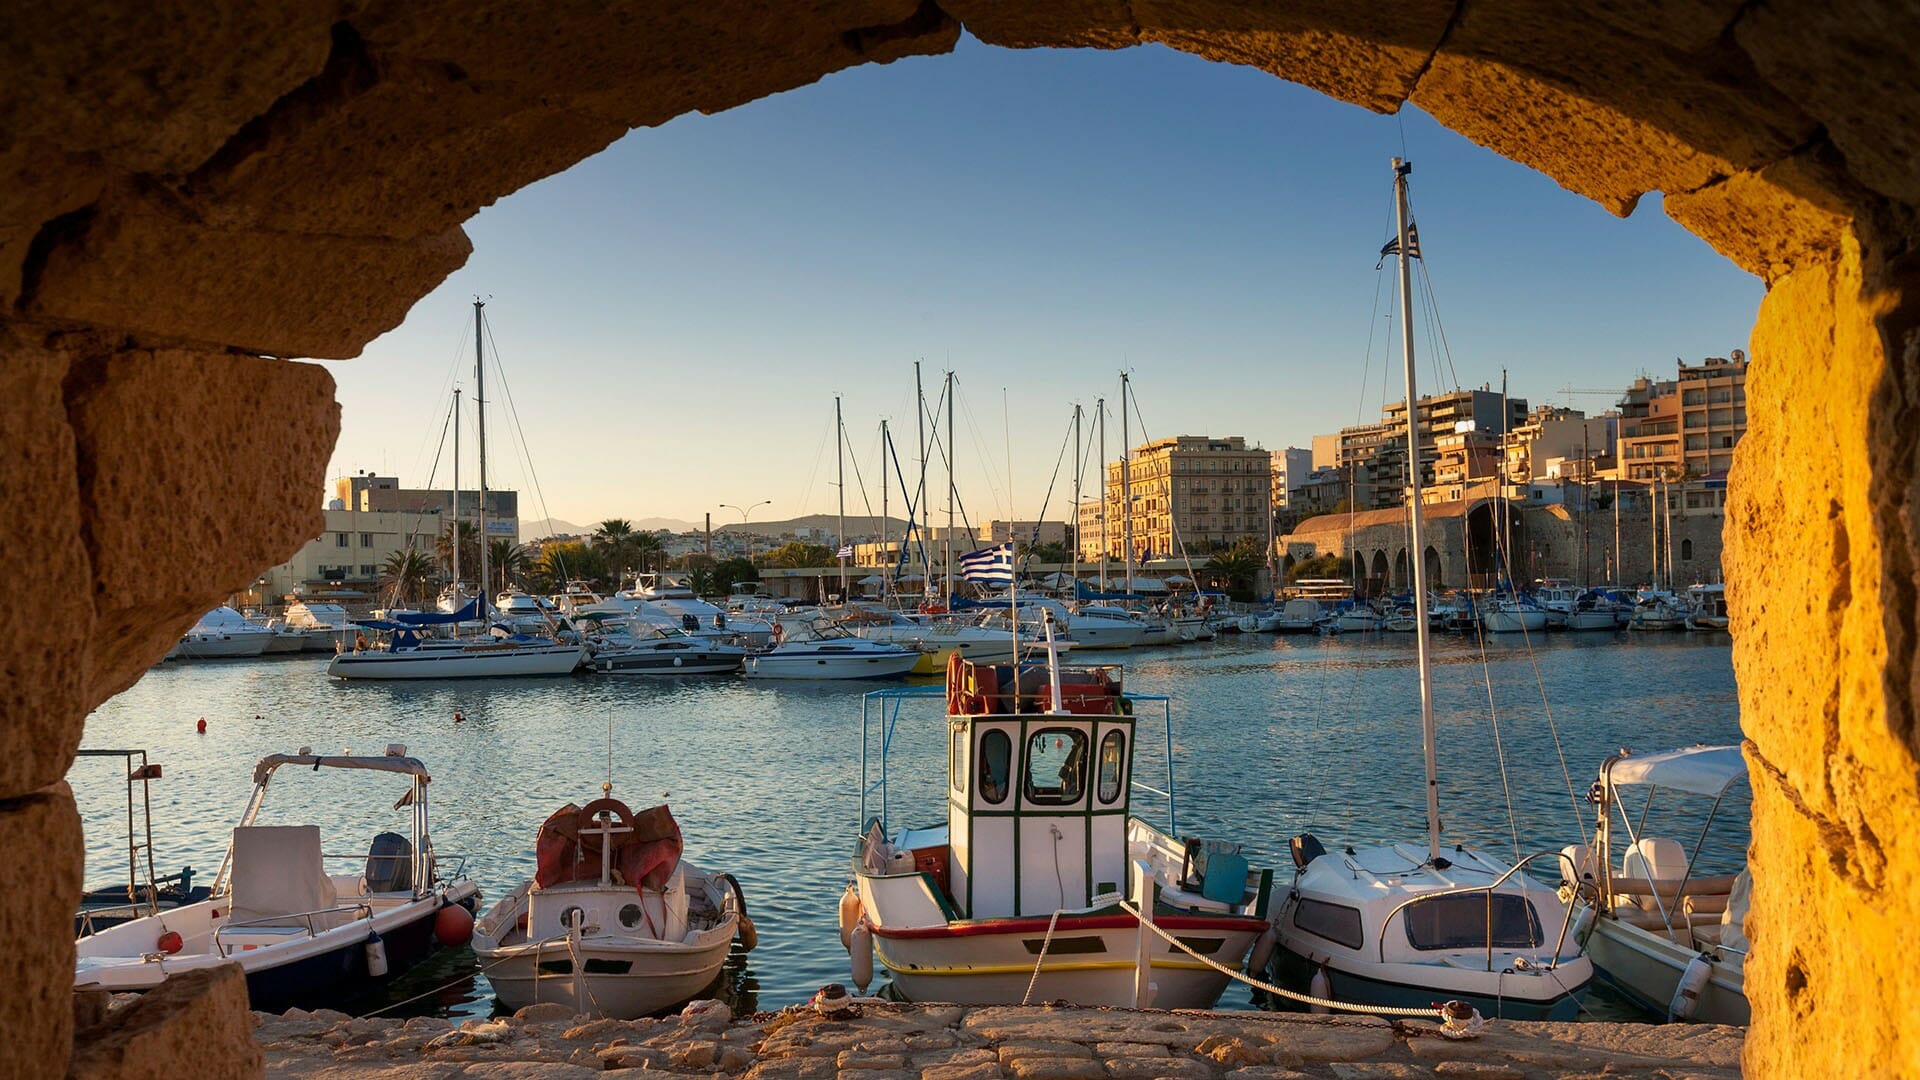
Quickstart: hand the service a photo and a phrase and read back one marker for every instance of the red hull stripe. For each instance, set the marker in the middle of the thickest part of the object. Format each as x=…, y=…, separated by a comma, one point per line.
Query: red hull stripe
x=981, y=927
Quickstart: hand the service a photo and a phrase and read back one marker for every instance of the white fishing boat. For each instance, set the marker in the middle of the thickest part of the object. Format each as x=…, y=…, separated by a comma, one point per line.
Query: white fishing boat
x=1407, y=925
x=1357, y=618
x=618, y=646
x=1404, y=620
x=305, y=938
x=937, y=637
x=1669, y=937
x=1594, y=611
x=817, y=649
x=323, y=627
x=1033, y=888
x=614, y=922
x=224, y=633
x=1655, y=610
x=1512, y=615
x=1300, y=615
x=1707, y=608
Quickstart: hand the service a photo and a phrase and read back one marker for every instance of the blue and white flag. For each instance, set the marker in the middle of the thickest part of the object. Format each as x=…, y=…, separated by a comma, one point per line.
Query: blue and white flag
x=988, y=566
x=1392, y=246
x=846, y=551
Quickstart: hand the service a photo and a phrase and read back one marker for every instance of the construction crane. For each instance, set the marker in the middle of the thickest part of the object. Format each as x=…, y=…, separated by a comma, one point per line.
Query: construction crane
x=1570, y=391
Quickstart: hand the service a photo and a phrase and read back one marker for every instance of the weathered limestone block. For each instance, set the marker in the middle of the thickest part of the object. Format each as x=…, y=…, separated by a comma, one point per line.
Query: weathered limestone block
x=1821, y=545
x=1763, y=221
x=232, y=446
x=36, y=922
x=197, y=1021
x=1587, y=147
x=138, y=266
x=43, y=673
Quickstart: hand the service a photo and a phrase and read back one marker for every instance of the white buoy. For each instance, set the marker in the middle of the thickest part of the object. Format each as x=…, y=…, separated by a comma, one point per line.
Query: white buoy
x=376, y=957
x=1686, y=995
x=850, y=912
x=1262, y=952
x=861, y=952
x=1320, y=987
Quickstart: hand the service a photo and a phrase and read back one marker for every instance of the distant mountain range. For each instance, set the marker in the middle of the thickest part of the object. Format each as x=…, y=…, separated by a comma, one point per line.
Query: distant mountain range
x=545, y=527
x=856, y=526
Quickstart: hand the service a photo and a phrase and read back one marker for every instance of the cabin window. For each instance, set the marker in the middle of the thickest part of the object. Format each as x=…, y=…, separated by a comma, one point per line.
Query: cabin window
x=1330, y=921
x=957, y=756
x=1460, y=922
x=996, y=766
x=1113, y=758
x=1056, y=766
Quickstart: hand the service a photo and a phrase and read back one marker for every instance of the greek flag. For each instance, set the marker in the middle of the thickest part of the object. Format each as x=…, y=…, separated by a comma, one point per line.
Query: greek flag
x=846, y=551
x=1392, y=247
x=988, y=566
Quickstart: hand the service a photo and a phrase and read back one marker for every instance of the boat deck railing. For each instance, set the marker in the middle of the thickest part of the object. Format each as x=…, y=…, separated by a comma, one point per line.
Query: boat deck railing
x=1380, y=940
x=363, y=910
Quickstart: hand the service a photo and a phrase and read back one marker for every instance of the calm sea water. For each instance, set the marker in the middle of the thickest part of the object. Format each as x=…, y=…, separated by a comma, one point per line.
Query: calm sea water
x=1272, y=736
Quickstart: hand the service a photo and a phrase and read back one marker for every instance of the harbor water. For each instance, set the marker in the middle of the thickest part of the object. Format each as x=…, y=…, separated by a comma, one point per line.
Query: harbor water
x=1271, y=737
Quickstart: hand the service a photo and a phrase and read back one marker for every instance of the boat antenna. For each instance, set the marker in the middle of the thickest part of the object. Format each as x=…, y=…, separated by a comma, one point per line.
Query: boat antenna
x=1401, y=168
x=606, y=789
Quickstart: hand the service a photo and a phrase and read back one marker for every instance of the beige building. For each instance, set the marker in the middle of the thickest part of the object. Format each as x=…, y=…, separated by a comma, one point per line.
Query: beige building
x=365, y=492
x=1194, y=490
x=1687, y=426
x=352, y=553
x=1554, y=434
x=1378, y=451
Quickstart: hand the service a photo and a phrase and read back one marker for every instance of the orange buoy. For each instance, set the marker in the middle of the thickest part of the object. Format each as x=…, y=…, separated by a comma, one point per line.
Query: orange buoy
x=458, y=718
x=171, y=942
x=202, y=726
x=453, y=926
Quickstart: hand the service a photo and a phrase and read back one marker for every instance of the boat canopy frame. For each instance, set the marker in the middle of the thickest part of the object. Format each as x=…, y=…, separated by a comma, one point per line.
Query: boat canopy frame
x=1697, y=770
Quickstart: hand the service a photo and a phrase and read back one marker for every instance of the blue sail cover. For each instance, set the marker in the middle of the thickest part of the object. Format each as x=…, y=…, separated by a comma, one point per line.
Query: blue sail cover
x=470, y=613
x=1083, y=591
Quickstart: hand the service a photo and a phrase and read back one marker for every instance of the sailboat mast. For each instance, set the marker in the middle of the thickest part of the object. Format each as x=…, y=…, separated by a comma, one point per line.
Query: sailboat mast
x=1100, y=422
x=1078, y=467
x=886, y=530
x=1400, y=171
x=1126, y=482
x=455, y=538
x=480, y=412
x=840, y=466
x=952, y=493
x=922, y=511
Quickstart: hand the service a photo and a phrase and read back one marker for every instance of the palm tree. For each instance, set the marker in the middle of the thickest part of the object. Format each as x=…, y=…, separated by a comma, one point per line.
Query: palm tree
x=647, y=548
x=469, y=548
x=408, y=573
x=509, y=560
x=615, y=537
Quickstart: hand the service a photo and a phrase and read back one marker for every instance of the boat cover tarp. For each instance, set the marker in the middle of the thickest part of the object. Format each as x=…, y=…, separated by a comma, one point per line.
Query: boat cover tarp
x=1083, y=591
x=389, y=763
x=470, y=613
x=644, y=856
x=1702, y=770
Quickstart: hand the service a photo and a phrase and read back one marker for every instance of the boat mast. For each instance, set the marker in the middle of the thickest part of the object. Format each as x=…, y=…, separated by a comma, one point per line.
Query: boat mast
x=1126, y=482
x=840, y=464
x=455, y=538
x=1100, y=422
x=886, y=574
x=952, y=493
x=921, y=510
x=480, y=412
x=1078, y=462
x=1400, y=171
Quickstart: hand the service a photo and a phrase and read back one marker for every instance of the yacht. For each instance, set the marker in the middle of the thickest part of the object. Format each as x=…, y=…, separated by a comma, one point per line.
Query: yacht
x=817, y=649
x=669, y=603
x=404, y=651
x=622, y=646
x=1657, y=610
x=1594, y=611
x=323, y=627
x=1300, y=615
x=939, y=637
x=224, y=633
x=1512, y=615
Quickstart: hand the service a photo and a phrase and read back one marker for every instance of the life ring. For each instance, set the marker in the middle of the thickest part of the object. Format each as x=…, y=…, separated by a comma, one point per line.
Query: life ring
x=777, y=634
x=585, y=818
x=933, y=609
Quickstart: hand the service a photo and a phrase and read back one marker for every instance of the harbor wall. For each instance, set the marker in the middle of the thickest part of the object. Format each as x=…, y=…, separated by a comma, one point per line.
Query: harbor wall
x=185, y=201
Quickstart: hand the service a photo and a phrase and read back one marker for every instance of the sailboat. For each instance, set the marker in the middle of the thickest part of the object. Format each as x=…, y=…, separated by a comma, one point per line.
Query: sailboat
x=405, y=654
x=1406, y=925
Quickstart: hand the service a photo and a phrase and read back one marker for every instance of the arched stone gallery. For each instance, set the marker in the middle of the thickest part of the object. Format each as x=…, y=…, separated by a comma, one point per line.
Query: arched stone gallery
x=193, y=193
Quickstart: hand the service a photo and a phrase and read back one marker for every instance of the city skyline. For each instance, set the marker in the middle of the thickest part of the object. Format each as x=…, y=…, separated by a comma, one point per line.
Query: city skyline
x=1037, y=221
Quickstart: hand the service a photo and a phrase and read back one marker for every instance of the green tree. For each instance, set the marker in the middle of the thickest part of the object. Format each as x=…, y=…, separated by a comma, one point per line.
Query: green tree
x=1237, y=569
x=615, y=539
x=409, y=574
x=508, y=563
x=1324, y=565
x=469, y=549
x=795, y=554
x=569, y=560
x=649, y=549
x=1049, y=553
x=730, y=572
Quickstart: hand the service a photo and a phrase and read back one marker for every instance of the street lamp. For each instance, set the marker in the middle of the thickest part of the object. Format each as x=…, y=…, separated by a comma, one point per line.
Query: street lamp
x=744, y=511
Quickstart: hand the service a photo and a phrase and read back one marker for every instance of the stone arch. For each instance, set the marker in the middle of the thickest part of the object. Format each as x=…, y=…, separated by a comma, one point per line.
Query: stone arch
x=1435, y=577
x=285, y=181
x=1686, y=550
x=1402, y=570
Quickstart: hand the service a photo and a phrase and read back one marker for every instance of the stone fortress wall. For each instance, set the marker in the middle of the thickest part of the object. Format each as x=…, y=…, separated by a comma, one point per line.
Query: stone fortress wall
x=193, y=193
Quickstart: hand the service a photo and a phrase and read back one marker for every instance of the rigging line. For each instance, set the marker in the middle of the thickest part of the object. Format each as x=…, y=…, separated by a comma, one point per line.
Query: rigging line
x=1504, y=557
x=860, y=483
x=1433, y=303
x=1173, y=520
x=813, y=475
x=1001, y=498
x=445, y=393
x=433, y=475
x=1493, y=718
x=1065, y=441
x=520, y=436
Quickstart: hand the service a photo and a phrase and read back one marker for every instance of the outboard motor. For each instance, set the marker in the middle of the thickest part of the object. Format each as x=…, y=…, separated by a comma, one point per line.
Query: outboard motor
x=390, y=864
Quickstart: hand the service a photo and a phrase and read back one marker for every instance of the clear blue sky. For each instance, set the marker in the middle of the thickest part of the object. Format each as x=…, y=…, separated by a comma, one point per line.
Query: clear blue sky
x=675, y=314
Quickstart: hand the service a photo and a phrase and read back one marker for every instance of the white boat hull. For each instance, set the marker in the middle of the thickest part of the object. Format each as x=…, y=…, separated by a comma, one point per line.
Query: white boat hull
x=1592, y=620
x=1647, y=965
x=483, y=661
x=811, y=665
x=1513, y=622
x=223, y=646
x=1096, y=635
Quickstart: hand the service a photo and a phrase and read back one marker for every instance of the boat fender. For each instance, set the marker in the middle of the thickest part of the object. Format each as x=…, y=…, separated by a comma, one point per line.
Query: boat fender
x=850, y=913
x=1686, y=994
x=376, y=956
x=745, y=933
x=453, y=926
x=170, y=942
x=1262, y=952
x=1583, y=918
x=1320, y=987
x=862, y=955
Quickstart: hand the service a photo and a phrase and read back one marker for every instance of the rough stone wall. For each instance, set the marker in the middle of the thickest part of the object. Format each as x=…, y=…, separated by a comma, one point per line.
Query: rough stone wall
x=185, y=184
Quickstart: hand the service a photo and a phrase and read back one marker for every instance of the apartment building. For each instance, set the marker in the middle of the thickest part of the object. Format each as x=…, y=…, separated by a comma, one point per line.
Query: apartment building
x=1379, y=450
x=1686, y=426
x=1204, y=492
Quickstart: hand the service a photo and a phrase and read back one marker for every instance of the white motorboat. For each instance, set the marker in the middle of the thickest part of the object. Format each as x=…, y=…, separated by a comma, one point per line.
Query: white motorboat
x=403, y=653
x=303, y=937
x=1408, y=925
x=1672, y=939
x=1034, y=887
x=630, y=647
x=666, y=603
x=1261, y=622
x=224, y=633
x=817, y=649
x=1300, y=615
x=1593, y=611
x=1707, y=608
x=1357, y=618
x=1657, y=611
x=983, y=641
x=1512, y=615
x=1404, y=620
x=578, y=934
x=322, y=627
